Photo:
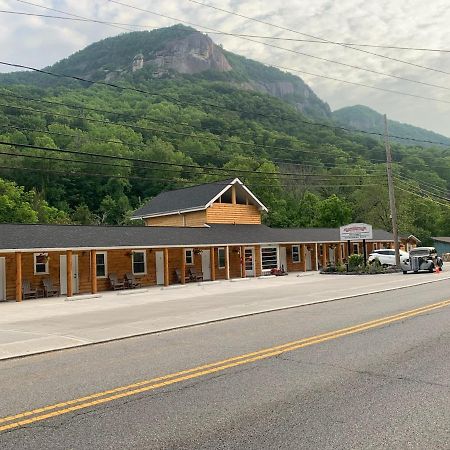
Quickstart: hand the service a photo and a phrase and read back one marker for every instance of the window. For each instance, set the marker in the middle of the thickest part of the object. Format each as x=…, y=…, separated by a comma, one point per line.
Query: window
x=139, y=262
x=40, y=263
x=269, y=258
x=375, y=246
x=100, y=263
x=189, y=256
x=355, y=248
x=222, y=258
x=295, y=253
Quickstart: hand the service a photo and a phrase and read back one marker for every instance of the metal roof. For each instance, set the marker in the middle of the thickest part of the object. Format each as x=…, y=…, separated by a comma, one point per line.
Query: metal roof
x=35, y=236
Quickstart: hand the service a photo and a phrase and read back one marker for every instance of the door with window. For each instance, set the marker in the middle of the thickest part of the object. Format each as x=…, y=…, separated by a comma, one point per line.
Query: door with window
x=2, y=279
x=63, y=274
x=249, y=255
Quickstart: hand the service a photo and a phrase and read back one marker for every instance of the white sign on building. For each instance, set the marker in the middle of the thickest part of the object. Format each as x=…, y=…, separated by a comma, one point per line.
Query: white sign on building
x=356, y=231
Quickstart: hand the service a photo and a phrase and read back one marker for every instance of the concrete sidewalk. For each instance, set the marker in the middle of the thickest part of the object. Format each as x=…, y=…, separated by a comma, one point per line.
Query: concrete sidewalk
x=42, y=325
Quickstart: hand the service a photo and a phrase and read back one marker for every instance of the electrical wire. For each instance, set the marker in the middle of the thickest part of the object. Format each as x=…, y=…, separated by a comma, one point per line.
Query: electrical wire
x=422, y=197
x=295, y=51
x=322, y=39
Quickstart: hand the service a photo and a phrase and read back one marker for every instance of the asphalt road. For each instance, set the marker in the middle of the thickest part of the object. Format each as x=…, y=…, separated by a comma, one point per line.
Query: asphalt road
x=381, y=385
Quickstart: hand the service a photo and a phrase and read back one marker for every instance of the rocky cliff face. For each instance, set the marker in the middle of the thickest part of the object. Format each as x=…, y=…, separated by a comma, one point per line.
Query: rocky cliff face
x=193, y=54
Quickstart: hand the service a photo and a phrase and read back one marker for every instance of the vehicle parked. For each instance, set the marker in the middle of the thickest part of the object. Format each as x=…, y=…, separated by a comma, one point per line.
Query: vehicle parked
x=422, y=258
x=386, y=256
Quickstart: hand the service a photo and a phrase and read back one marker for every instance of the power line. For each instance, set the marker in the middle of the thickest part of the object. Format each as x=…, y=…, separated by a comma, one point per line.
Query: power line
x=422, y=197
x=334, y=127
x=168, y=164
x=158, y=130
x=304, y=164
x=70, y=14
x=432, y=187
x=423, y=191
x=282, y=48
x=121, y=25
x=392, y=91
x=96, y=174
x=324, y=40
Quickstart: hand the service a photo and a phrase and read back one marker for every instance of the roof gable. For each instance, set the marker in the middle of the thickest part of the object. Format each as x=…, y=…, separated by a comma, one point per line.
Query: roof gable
x=189, y=199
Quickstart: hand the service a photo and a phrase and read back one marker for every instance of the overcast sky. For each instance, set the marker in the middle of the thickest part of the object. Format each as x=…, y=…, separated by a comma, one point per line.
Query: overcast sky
x=40, y=42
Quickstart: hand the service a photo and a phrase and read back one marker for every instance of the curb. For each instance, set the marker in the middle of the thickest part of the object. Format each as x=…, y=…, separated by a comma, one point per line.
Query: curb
x=222, y=319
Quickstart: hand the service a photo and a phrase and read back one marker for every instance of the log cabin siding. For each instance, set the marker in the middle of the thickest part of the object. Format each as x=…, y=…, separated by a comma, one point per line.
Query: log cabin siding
x=192, y=219
x=230, y=213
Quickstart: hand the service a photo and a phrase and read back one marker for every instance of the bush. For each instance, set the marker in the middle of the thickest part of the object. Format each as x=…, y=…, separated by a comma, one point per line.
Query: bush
x=355, y=263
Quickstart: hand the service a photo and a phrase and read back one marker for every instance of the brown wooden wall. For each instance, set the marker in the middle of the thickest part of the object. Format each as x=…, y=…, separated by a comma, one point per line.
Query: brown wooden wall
x=233, y=213
x=193, y=219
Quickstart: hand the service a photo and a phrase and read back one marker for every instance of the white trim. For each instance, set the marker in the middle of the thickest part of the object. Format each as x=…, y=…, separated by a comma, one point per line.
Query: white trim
x=236, y=180
x=192, y=257
x=46, y=264
x=170, y=213
x=105, y=255
x=145, y=262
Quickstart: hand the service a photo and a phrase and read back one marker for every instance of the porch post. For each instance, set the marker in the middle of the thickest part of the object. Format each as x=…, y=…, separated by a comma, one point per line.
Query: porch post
x=94, y=271
x=69, y=273
x=227, y=262
x=213, y=264
x=166, y=267
x=183, y=266
x=18, y=277
x=324, y=255
x=303, y=256
x=339, y=253
x=242, y=262
x=316, y=257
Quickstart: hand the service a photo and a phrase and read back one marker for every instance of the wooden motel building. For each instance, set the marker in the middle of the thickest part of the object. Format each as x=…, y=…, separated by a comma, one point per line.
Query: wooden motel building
x=212, y=229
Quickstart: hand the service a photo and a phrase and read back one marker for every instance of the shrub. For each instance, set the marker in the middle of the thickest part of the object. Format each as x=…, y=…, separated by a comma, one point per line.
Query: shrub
x=355, y=262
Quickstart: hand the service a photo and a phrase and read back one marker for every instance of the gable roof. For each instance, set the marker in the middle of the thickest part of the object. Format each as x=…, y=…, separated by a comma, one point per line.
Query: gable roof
x=445, y=239
x=194, y=198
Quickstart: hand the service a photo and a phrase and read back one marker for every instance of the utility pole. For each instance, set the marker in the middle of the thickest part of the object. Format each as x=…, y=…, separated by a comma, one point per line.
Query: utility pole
x=392, y=204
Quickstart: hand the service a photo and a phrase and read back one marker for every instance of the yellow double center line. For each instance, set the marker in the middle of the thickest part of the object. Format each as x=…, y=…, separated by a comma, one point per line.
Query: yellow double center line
x=58, y=409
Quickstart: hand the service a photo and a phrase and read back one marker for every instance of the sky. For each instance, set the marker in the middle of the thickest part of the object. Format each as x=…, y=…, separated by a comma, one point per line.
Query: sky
x=39, y=42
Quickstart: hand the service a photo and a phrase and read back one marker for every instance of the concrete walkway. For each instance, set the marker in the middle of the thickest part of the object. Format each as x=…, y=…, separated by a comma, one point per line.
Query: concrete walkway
x=36, y=326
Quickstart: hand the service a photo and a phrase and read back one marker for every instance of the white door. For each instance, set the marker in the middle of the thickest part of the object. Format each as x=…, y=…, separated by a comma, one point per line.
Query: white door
x=308, y=260
x=2, y=278
x=63, y=274
x=206, y=264
x=159, y=258
x=283, y=259
x=249, y=255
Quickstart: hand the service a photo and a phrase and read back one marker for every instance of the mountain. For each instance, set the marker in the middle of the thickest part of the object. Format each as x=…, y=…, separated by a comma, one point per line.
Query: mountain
x=364, y=118
x=177, y=51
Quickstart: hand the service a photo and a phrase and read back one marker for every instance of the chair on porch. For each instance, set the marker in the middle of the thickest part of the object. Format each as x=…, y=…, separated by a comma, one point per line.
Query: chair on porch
x=131, y=281
x=195, y=275
x=27, y=291
x=49, y=289
x=187, y=278
x=115, y=282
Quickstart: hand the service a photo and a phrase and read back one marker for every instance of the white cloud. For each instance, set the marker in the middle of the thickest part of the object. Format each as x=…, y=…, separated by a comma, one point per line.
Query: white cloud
x=41, y=42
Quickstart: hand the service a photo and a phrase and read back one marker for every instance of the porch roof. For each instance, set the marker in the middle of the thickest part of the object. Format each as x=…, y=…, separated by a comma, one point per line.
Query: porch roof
x=40, y=237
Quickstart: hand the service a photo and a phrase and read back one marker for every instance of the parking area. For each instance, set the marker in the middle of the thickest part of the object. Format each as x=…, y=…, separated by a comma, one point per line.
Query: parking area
x=53, y=323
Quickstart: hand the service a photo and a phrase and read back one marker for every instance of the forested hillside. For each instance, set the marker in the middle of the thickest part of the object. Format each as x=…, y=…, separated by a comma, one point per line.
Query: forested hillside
x=364, y=118
x=92, y=153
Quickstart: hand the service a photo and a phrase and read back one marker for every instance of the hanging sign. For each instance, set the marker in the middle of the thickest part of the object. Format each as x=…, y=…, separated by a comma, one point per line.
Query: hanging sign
x=356, y=231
